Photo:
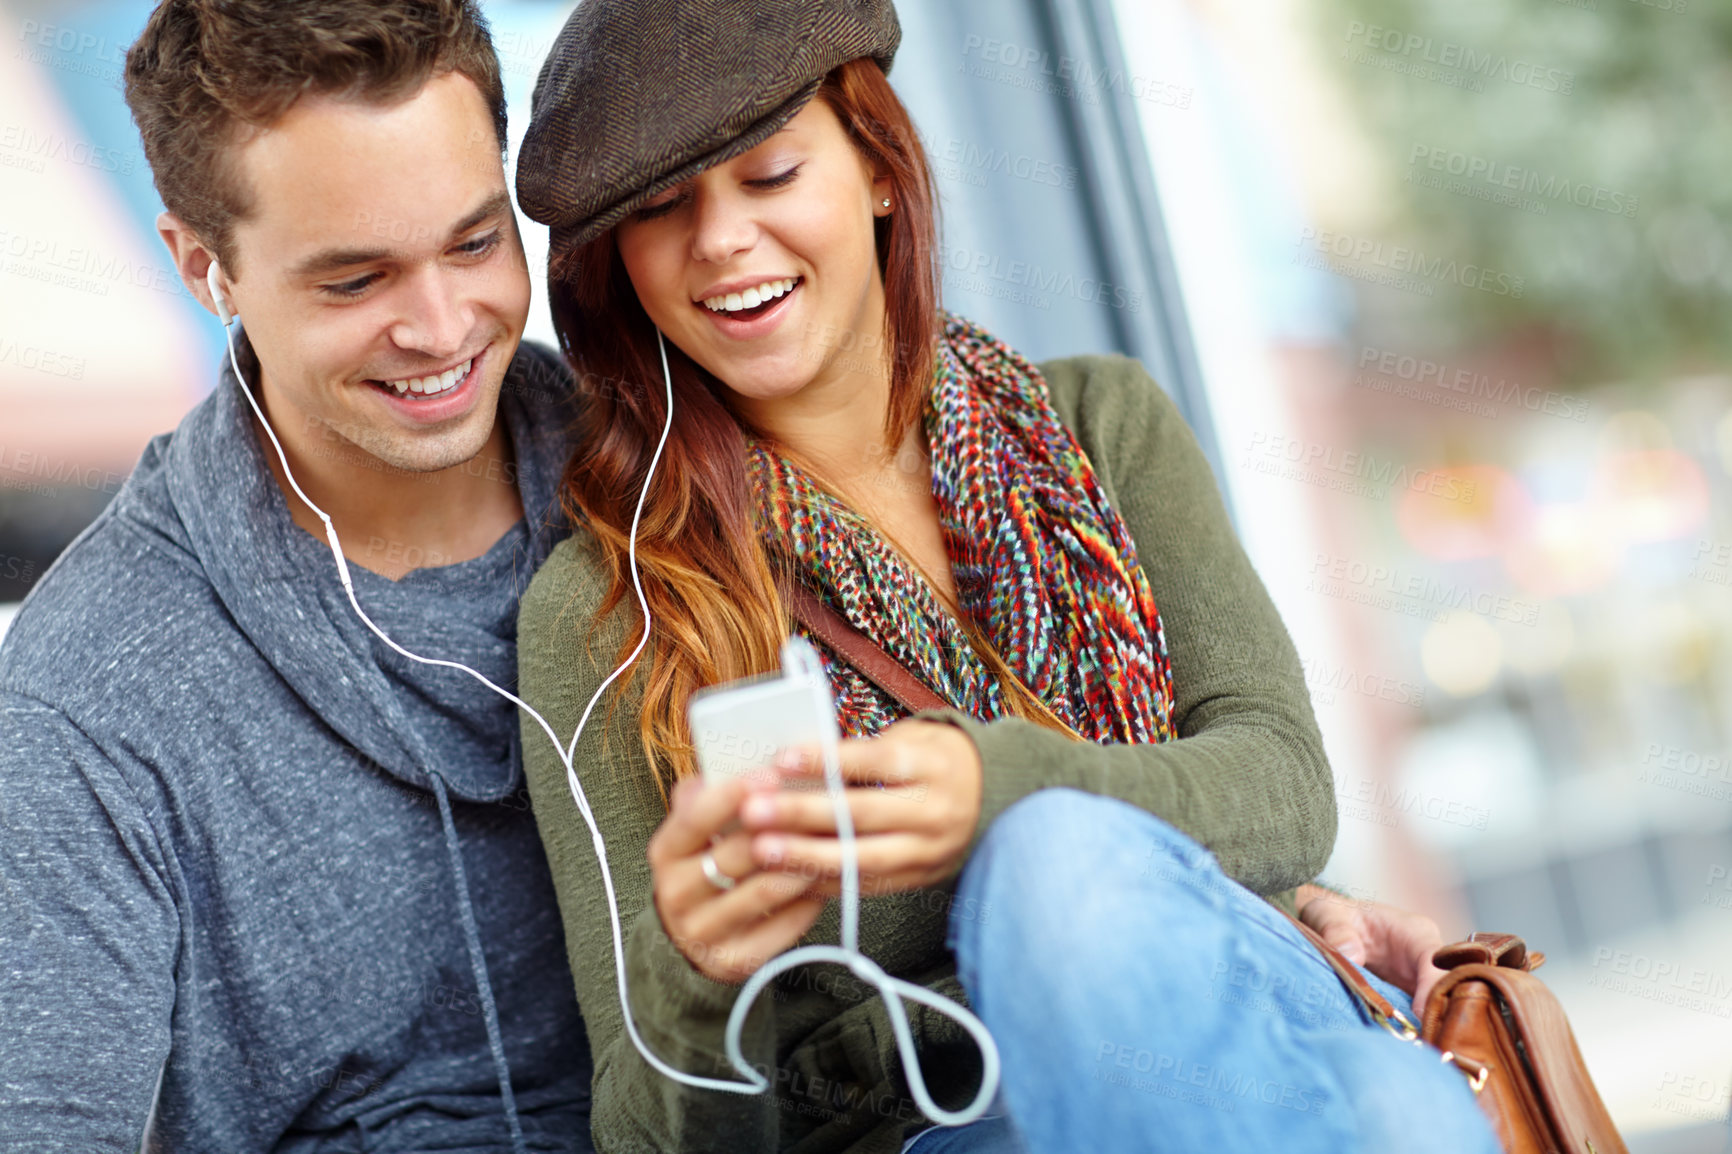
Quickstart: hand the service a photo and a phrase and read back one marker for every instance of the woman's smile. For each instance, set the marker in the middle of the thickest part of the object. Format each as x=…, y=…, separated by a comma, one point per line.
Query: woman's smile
x=757, y=311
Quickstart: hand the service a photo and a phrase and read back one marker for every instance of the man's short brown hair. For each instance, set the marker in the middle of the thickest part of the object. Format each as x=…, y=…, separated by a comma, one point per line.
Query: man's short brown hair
x=205, y=71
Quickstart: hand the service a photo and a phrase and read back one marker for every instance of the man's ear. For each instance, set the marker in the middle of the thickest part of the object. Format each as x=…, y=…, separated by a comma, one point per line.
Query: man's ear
x=192, y=259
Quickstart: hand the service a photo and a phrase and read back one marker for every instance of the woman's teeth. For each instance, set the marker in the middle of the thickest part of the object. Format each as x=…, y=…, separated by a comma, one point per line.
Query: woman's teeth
x=751, y=298
x=432, y=386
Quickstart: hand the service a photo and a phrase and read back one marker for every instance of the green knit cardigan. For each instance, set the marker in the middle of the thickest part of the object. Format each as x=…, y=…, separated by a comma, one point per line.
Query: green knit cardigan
x=1247, y=779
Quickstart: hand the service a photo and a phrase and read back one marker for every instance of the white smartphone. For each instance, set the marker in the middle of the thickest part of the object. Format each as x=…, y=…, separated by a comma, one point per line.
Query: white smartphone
x=739, y=727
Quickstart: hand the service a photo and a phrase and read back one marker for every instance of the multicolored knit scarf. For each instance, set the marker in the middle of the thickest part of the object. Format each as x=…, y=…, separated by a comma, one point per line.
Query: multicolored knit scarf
x=1044, y=567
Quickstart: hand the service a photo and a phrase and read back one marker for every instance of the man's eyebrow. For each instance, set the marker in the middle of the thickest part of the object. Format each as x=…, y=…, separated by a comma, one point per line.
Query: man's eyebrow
x=335, y=259
x=499, y=202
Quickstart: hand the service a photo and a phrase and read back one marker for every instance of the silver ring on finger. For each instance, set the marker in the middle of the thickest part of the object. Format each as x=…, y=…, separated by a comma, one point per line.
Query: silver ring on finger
x=714, y=872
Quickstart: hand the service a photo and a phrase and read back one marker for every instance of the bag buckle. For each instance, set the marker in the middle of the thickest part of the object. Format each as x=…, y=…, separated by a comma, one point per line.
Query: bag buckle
x=1400, y=1027
x=1477, y=1072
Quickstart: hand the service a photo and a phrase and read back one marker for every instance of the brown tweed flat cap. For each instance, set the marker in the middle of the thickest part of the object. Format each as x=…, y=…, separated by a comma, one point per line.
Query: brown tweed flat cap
x=639, y=95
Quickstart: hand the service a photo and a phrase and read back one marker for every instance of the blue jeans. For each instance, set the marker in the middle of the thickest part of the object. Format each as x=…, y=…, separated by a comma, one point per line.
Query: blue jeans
x=1142, y=1001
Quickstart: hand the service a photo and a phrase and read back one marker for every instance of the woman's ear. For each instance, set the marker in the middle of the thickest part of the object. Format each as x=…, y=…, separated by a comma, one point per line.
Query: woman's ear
x=883, y=199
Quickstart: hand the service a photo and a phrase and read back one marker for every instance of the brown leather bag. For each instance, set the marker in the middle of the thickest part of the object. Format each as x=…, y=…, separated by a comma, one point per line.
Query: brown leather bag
x=1502, y=1028
x=1489, y=1015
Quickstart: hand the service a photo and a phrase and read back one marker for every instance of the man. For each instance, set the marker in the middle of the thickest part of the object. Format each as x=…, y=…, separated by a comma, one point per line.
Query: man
x=269, y=886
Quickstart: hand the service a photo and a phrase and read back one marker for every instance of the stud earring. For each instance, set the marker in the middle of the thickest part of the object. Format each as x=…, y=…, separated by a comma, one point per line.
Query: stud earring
x=885, y=202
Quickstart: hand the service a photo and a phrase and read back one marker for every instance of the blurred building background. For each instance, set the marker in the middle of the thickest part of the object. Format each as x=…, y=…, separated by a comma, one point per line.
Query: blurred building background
x=1446, y=291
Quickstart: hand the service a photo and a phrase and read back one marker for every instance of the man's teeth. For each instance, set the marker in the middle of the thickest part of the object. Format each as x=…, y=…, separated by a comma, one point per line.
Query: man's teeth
x=751, y=298
x=429, y=386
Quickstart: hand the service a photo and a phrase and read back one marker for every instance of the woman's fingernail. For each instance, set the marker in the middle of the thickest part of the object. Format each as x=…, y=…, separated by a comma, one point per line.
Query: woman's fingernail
x=789, y=759
x=759, y=809
x=771, y=850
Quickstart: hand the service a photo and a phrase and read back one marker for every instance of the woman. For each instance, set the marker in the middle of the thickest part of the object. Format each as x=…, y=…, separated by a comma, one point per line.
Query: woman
x=1075, y=849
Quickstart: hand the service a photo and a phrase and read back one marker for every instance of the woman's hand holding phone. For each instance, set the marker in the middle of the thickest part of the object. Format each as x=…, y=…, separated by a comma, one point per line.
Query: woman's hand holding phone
x=726, y=934
x=914, y=792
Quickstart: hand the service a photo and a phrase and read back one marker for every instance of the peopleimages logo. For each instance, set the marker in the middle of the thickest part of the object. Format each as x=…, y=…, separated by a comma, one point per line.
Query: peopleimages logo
x=1325, y=679
x=1411, y=262
x=72, y=51
x=1379, y=802
x=84, y=269
x=970, y=163
x=1708, y=776
x=1669, y=982
x=44, y=146
x=1068, y=75
x=1719, y=878
x=41, y=360
x=1474, y=385
x=1413, y=47
x=1699, y=1096
x=1415, y=594
x=72, y=41
x=19, y=466
x=17, y=569
x=1220, y=1085
x=1499, y=176
x=1031, y=281
x=1379, y=474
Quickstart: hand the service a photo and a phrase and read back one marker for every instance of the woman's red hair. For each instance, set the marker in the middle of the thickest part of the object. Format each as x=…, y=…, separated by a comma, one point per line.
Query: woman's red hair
x=707, y=577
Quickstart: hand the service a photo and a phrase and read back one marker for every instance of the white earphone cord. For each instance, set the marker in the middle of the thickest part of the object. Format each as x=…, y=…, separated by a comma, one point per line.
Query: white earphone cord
x=891, y=989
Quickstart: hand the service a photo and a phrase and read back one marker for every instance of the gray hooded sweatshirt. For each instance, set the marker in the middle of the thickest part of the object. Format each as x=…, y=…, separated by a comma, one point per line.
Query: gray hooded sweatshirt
x=254, y=867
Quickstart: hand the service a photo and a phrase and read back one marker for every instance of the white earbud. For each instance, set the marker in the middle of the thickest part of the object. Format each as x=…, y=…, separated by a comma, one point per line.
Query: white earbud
x=892, y=990
x=216, y=295
x=223, y=314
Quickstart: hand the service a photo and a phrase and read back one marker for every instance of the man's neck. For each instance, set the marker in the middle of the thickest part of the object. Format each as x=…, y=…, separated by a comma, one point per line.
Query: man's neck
x=392, y=521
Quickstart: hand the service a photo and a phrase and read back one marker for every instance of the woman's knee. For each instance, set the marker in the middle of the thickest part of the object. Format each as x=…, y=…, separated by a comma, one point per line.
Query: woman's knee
x=1083, y=837
x=1064, y=883
x=1060, y=860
